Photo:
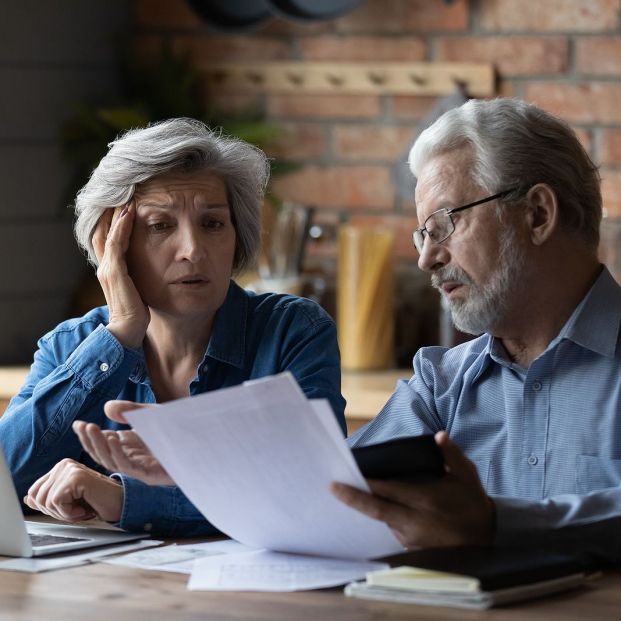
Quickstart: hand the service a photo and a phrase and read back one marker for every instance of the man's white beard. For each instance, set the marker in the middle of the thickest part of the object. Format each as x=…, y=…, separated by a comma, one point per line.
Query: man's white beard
x=485, y=305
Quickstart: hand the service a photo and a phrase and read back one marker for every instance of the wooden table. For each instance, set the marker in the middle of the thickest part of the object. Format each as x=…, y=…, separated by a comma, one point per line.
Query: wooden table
x=365, y=391
x=109, y=593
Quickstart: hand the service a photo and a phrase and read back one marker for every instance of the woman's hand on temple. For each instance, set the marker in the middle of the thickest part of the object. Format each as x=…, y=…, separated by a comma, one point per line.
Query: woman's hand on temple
x=129, y=316
x=121, y=451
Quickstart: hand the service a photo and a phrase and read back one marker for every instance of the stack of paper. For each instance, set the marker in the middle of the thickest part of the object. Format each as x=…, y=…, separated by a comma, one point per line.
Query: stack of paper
x=491, y=577
x=257, y=460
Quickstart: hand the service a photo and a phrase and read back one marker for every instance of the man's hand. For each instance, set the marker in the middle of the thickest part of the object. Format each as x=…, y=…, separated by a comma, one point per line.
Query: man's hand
x=121, y=451
x=453, y=510
x=72, y=492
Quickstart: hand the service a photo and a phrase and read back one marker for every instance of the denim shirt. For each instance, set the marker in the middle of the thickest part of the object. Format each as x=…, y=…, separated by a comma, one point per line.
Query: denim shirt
x=546, y=440
x=80, y=365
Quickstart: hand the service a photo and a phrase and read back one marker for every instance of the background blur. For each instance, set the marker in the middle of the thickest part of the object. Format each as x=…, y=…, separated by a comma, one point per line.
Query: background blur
x=59, y=58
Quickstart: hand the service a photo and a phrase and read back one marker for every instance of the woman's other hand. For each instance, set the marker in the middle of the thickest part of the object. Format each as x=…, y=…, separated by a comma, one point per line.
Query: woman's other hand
x=121, y=451
x=72, y=492
x=129, y=316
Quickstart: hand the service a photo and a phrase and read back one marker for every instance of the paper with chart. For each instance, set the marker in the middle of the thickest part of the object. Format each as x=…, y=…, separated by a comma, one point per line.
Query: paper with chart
x=257, y=460
x=275, y=571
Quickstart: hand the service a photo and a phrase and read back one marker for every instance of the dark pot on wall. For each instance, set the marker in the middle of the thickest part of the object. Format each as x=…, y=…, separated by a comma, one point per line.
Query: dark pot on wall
x=239, y=15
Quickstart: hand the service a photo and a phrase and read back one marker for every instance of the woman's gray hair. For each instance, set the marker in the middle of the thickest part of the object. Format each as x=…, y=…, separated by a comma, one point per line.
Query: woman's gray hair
x=517, y=145
x=177, y=145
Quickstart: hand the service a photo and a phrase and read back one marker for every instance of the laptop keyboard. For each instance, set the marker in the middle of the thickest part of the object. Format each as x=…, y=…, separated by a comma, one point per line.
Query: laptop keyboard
x=50, y=540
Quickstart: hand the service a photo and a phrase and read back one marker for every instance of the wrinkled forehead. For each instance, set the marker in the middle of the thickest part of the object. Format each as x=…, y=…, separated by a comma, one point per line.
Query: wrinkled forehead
x=444, y=181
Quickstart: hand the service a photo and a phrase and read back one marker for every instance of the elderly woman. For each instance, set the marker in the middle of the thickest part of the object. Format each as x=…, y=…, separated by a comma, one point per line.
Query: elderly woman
x=168, y=216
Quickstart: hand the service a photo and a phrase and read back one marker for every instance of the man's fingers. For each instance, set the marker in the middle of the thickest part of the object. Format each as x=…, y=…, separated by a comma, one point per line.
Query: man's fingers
x=372, y=506
x=454, y=460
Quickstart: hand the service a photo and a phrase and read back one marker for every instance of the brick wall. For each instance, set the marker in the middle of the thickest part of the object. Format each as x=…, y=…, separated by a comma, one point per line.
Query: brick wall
x=564, y=55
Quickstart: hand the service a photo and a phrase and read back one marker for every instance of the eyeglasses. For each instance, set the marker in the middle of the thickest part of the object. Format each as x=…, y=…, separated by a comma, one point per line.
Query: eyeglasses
x=440, y=225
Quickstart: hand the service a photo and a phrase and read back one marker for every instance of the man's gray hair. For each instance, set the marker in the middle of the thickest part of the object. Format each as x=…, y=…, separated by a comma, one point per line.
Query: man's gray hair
x=181, y=144
x=517, y=145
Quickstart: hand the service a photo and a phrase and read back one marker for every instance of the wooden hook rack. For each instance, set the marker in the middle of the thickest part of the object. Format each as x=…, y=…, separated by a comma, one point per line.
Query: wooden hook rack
x=352, y=78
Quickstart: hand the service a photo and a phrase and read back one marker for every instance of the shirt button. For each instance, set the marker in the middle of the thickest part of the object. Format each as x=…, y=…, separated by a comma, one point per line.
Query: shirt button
x=104, y=366
x=536, y=385
x=532, y=460
x=147, y=527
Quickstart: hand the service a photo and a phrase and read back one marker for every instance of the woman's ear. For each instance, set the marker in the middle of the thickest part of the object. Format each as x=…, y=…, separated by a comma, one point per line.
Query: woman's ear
x=541, y=212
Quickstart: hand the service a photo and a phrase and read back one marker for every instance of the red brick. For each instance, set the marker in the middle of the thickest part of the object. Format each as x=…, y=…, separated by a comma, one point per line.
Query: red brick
x=375, y=49
x=411, y=107
x=232, y=104
x=298, y=141
x=286, y=27
x=166, y=14
x=226, y=48
x=585, y=136
x=342, y=187
x=510, y=55
x=371, y=143
x=505, y=88
x=404, y=16
x=550, y=16
x=610, y=244
x=611, y=191
x=585, y=102
x=324, y=106
x=610, y=154
x=401, y=226
x=599, y=55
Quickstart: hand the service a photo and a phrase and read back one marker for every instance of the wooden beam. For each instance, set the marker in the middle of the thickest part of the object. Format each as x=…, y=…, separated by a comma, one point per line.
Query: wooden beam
x=352, y=78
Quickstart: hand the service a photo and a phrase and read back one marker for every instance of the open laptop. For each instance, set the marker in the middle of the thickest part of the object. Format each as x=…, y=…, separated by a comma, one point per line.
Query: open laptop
x=21, y=538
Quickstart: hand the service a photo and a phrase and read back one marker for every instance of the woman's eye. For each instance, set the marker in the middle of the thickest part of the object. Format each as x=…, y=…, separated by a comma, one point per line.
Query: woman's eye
x=213, y=224
x=158, y=227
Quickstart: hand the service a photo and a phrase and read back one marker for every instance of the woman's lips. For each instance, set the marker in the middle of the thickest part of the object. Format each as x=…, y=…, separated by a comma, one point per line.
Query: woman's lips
x=191, y=280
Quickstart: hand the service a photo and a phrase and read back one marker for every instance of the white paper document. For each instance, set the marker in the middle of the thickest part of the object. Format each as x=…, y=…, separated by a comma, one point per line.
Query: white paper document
x=275, y=571
x=177, y=558
x=257, y=460
x=73, y=559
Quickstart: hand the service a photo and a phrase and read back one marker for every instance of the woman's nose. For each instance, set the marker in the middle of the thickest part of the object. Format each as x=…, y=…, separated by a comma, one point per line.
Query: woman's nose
x=191, y=245
x=433, y=256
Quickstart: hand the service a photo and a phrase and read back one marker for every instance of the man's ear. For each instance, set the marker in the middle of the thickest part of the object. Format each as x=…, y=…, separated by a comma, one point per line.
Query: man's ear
x=541, y=212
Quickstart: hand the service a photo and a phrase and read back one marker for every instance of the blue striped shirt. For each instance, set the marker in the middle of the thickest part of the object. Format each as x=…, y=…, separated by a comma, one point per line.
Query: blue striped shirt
x=546, y=440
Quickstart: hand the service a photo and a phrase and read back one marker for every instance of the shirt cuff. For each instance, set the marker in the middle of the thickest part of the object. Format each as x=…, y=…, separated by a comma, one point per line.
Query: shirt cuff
x=161, y=510
x=100, y=356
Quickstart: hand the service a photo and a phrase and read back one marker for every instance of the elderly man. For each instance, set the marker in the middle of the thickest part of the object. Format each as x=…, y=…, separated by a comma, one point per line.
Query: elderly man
x=528, y=415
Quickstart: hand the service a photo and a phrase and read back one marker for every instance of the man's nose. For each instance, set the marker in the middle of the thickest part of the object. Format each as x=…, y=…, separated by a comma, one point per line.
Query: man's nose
x=433, y=256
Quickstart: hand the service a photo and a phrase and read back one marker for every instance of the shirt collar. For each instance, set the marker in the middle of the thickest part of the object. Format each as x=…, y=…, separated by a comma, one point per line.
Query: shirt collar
x=595, y=323
x=228, y=337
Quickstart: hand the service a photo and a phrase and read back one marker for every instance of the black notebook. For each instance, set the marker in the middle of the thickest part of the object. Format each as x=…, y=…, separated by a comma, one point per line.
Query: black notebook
x=471, y=577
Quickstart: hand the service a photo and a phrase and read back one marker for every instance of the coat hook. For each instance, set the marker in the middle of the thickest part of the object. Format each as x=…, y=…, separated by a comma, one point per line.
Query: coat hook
x=295, y=78
x=377, y=78
x=255, y=77
x=335, y=79
x=418, y=79
x=460, y=83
